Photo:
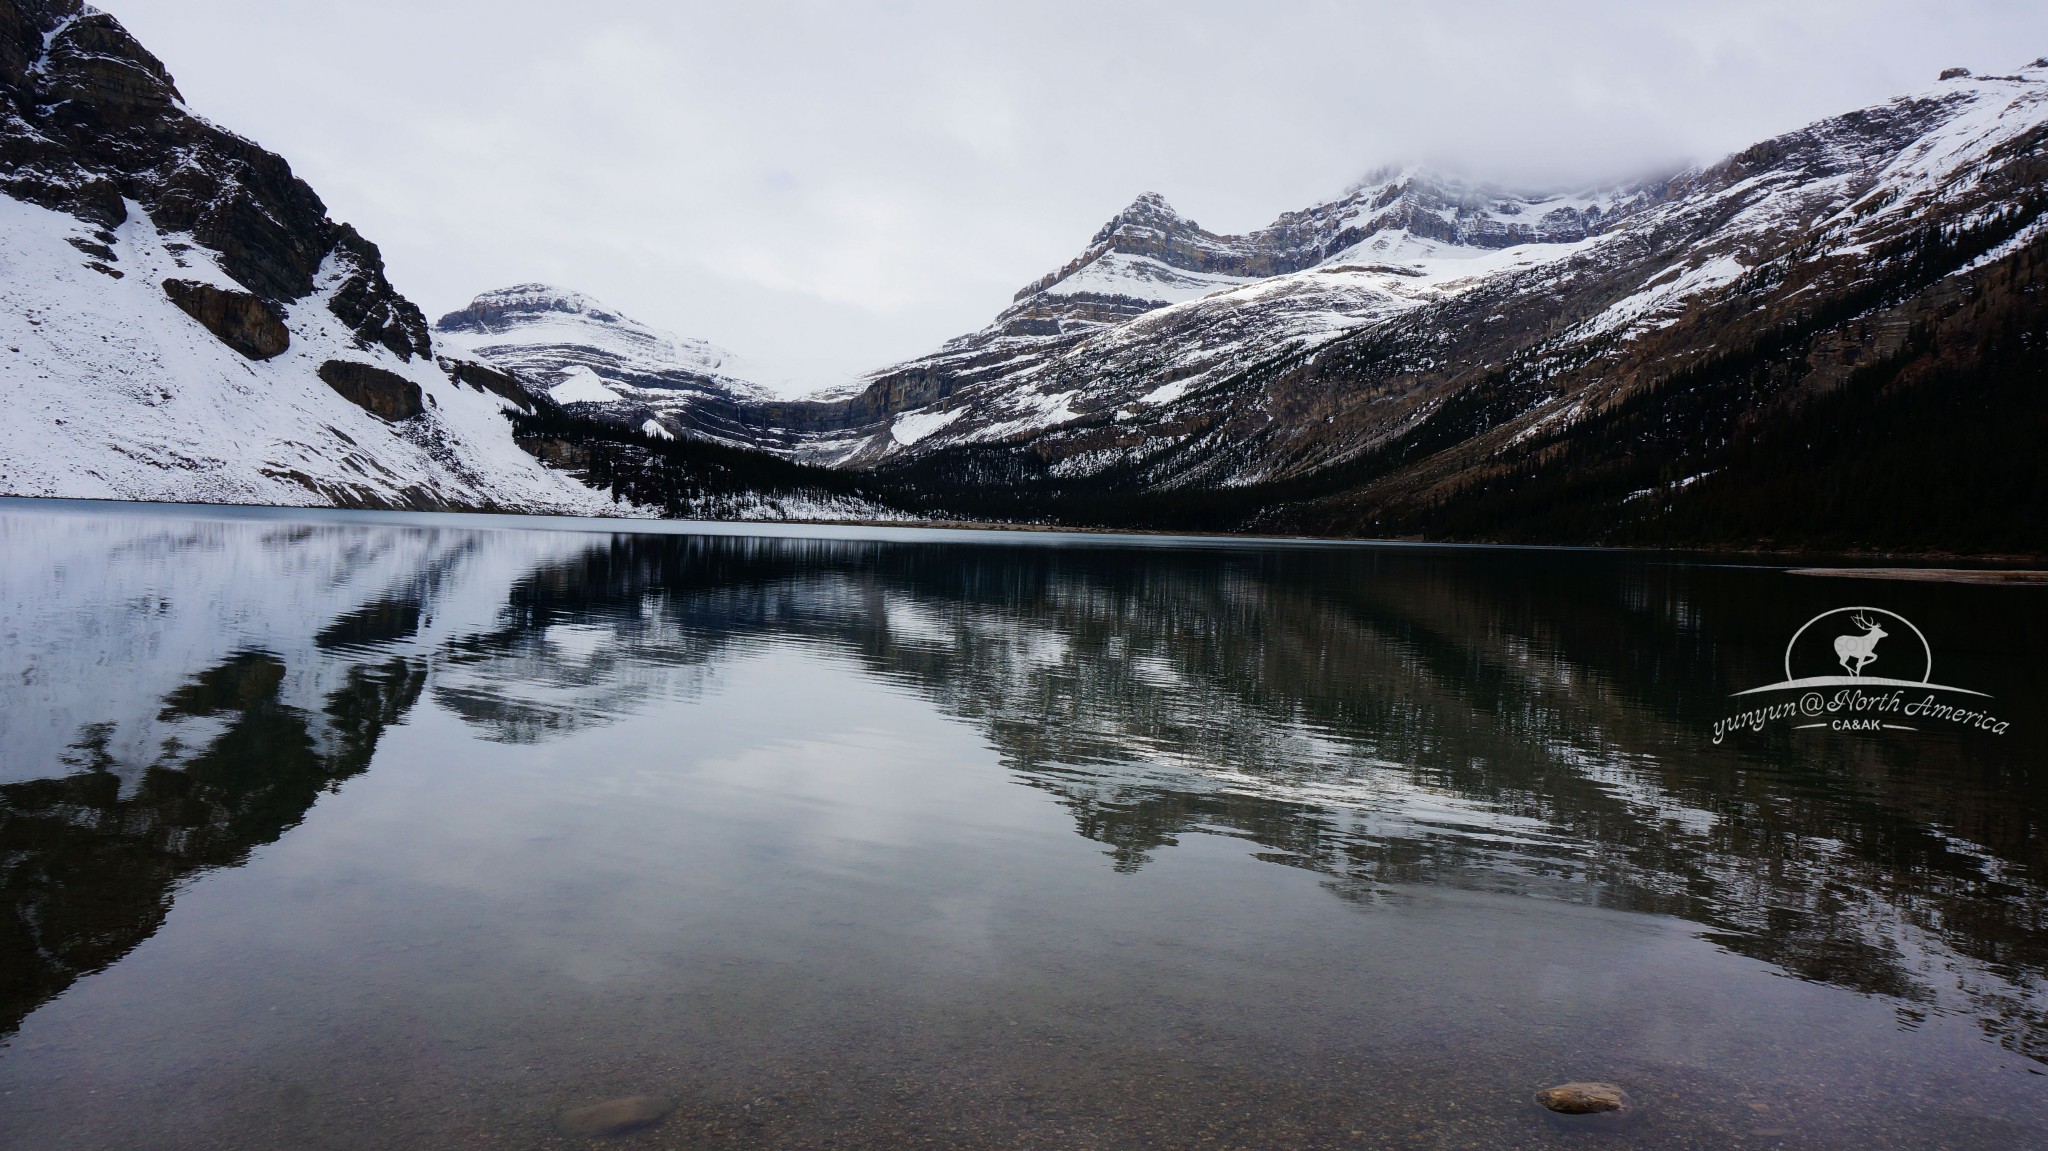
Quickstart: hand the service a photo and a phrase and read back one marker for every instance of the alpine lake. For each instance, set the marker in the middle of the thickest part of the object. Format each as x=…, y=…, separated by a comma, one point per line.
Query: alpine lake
x=378, y=830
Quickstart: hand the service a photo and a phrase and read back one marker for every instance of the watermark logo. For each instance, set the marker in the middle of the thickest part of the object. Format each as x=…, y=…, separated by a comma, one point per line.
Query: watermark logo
x=1848, y=670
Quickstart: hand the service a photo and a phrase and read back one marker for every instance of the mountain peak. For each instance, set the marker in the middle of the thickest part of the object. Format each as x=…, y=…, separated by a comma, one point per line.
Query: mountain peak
x=1149, y=206
x=1147, y=216
x=1147, y=228
x=500, y=308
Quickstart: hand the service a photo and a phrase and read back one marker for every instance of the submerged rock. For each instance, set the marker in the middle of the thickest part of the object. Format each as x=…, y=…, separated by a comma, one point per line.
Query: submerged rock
x=613, y=1116
x=1583, y=1098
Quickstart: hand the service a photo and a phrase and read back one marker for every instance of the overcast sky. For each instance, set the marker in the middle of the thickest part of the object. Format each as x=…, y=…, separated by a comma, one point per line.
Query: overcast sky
x=829, y=187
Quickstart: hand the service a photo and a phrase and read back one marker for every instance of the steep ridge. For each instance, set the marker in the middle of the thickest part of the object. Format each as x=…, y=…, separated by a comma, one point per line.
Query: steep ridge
x=180, y=319
x=1895, y=248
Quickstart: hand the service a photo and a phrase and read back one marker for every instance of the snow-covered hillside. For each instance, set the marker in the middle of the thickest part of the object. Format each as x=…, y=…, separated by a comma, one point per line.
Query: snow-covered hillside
x=1153, y=299
x=180, y=319
x=1166, y=356
x=1148, y=277
x=112, y=392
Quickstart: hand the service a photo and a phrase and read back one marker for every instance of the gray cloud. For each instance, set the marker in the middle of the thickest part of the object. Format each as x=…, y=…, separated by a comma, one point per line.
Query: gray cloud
x=827, y=187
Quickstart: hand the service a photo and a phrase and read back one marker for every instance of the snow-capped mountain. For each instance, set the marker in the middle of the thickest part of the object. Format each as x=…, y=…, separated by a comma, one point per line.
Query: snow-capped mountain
x=1420, y=345
x=1433, y=356
x=1149, y=255
x=1156, y=318
x=590, y=357
x=1393, y=240
x=1156, y=307
x=180, y=319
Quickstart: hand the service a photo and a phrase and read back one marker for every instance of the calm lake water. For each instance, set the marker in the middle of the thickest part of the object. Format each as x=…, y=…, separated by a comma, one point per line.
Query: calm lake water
x=324, y=830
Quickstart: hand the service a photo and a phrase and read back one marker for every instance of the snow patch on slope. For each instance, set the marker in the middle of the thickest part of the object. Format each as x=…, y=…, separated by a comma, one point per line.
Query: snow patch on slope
x=1032, y=411
x=1165, y=393
x=911, y=427
x=1991, y=112
x=2020, y=239
x=1141, y=278
x=580, y=385
x=1660, y=302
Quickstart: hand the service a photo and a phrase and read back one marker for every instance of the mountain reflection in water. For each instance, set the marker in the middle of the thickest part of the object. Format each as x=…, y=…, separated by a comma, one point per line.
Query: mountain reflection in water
x=180, y=692
x=1517, y=722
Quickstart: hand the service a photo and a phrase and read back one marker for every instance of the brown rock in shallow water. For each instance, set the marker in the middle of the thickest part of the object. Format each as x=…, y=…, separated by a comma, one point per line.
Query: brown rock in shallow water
x=237, y=319
x=1583, y=1098
x=613, y=1116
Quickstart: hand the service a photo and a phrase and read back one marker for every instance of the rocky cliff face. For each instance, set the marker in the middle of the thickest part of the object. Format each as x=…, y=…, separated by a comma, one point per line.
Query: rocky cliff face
x=95, y=123
x=176, y=299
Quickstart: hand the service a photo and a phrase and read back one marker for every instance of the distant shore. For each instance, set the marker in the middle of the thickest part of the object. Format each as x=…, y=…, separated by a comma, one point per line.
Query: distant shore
x=2001, y=569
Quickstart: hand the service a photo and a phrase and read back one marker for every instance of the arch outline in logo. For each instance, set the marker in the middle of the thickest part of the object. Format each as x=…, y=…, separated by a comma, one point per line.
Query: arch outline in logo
x=1926, y=649
x=1855, y=678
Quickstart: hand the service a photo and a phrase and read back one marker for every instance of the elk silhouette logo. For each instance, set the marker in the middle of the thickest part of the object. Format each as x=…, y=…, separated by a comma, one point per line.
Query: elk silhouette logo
x=1857, y=651
x=1836, y=695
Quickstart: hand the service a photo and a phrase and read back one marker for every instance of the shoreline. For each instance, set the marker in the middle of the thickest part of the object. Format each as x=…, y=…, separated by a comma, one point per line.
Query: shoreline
x=2001, y=569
